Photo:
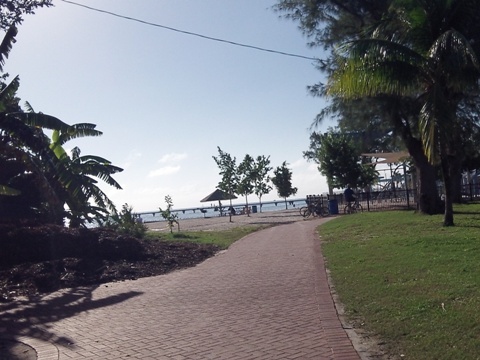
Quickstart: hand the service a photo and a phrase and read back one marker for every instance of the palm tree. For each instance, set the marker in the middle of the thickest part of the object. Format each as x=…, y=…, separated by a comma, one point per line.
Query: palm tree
x=426, y=50
x=77, y=175
x=37, y=173
x=23, y=149
x=27, y=160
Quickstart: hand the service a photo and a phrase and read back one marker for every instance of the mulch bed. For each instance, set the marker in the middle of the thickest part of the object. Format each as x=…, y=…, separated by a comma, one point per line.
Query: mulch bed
x=41, y=259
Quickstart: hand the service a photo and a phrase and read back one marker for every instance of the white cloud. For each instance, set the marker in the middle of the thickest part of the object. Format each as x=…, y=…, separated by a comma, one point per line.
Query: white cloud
x=298, y=163
x=132, y=157
x=307, y=178
x=172, y=157
x=166, y=170
x=170, y=168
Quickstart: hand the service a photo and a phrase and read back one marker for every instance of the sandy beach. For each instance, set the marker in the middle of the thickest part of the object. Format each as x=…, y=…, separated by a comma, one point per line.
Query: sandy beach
x=224, y=222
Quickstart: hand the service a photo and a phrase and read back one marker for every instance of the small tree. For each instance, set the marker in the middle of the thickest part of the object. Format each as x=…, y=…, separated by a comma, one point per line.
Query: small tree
x=228, y=171
x=283, y=182
x=168, y=215
x=246, y=177
x=261, y=180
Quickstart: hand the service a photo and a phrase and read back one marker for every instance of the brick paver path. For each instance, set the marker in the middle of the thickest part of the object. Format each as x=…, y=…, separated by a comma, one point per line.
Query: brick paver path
x=267, y=297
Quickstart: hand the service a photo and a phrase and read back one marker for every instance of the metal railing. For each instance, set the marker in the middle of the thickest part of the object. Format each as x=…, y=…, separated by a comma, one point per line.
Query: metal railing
x=398, y=199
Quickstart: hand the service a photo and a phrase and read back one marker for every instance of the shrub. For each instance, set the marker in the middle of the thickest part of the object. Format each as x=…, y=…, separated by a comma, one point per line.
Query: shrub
x=126, y=223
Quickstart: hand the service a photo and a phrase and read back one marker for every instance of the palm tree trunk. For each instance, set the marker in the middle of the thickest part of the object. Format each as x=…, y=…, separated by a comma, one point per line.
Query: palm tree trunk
x=446, y=162
x=428, y=200
x=447, y=180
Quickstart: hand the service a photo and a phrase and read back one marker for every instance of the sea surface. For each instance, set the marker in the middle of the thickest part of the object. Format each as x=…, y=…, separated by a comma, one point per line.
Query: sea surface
x=213, y=209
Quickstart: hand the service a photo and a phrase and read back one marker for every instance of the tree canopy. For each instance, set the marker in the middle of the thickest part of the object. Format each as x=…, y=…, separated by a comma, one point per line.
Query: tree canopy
x=246, y=178
x=228, y=171
x=340, y=161
x=261, y=179
x=414, y=62
x=424, y=50
x=282, y=180
x=12, y=11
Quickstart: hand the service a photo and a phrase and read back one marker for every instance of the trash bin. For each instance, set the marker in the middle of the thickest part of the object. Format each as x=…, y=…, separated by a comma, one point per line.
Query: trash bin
x=333, y=207
x=254, y=209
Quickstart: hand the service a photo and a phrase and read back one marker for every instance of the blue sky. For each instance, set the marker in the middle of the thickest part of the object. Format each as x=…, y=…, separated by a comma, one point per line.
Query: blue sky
x=165, y=100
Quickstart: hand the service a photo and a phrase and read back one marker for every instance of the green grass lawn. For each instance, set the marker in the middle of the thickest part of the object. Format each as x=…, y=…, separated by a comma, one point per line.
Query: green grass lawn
x=410, y=280
x=223, y=239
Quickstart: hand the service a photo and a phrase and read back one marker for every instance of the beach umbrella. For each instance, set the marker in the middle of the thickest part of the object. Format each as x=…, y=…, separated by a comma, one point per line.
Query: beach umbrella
x=218, y=195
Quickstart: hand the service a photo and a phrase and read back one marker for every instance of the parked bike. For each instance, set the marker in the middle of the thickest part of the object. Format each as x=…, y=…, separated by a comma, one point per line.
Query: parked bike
x=314, y=208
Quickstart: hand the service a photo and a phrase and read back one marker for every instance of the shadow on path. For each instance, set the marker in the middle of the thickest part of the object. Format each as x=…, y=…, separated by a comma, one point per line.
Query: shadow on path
x=32, y=317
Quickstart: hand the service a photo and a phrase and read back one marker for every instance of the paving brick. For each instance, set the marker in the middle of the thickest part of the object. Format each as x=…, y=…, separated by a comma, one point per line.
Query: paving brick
x=267, y=297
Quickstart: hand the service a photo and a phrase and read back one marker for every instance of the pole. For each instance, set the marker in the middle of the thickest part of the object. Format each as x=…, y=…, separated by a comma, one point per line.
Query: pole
x=406, y=184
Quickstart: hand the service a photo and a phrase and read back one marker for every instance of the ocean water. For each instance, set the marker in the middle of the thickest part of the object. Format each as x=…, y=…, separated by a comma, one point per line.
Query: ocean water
x=212, y=210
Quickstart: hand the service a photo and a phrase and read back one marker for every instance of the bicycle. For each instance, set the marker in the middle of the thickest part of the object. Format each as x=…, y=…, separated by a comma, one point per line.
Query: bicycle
x=322, y=210
x=315, y=209
x=353, y=207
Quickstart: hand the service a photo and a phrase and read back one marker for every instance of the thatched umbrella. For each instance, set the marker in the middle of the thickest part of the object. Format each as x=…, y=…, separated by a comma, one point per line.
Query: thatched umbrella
x=218, y=195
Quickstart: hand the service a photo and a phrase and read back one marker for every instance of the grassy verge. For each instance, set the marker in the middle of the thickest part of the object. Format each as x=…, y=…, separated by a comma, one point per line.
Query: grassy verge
x=411, y=281
x=223, y=239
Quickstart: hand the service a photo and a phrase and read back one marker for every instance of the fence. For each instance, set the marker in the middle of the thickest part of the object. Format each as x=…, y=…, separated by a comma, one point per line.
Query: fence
x=471, y=192
x=398, y=198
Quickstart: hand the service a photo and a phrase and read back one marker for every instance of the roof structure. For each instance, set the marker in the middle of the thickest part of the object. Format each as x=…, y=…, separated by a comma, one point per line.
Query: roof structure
x=388, y=158
x=218, y=195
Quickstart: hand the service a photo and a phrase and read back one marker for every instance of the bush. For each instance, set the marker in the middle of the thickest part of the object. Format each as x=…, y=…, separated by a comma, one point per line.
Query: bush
x=126, y=223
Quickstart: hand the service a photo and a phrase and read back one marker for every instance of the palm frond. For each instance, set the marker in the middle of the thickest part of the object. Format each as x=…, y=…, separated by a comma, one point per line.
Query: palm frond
x=29, y=107
x=371, y=67
x=77, y=131
x=75, y=153
x=41, y=120
x=94, y=159
x=435, y=123
x=8, y=191
x=453, y=55
x=102, y=172
x=6, y=45
x=8, y=92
